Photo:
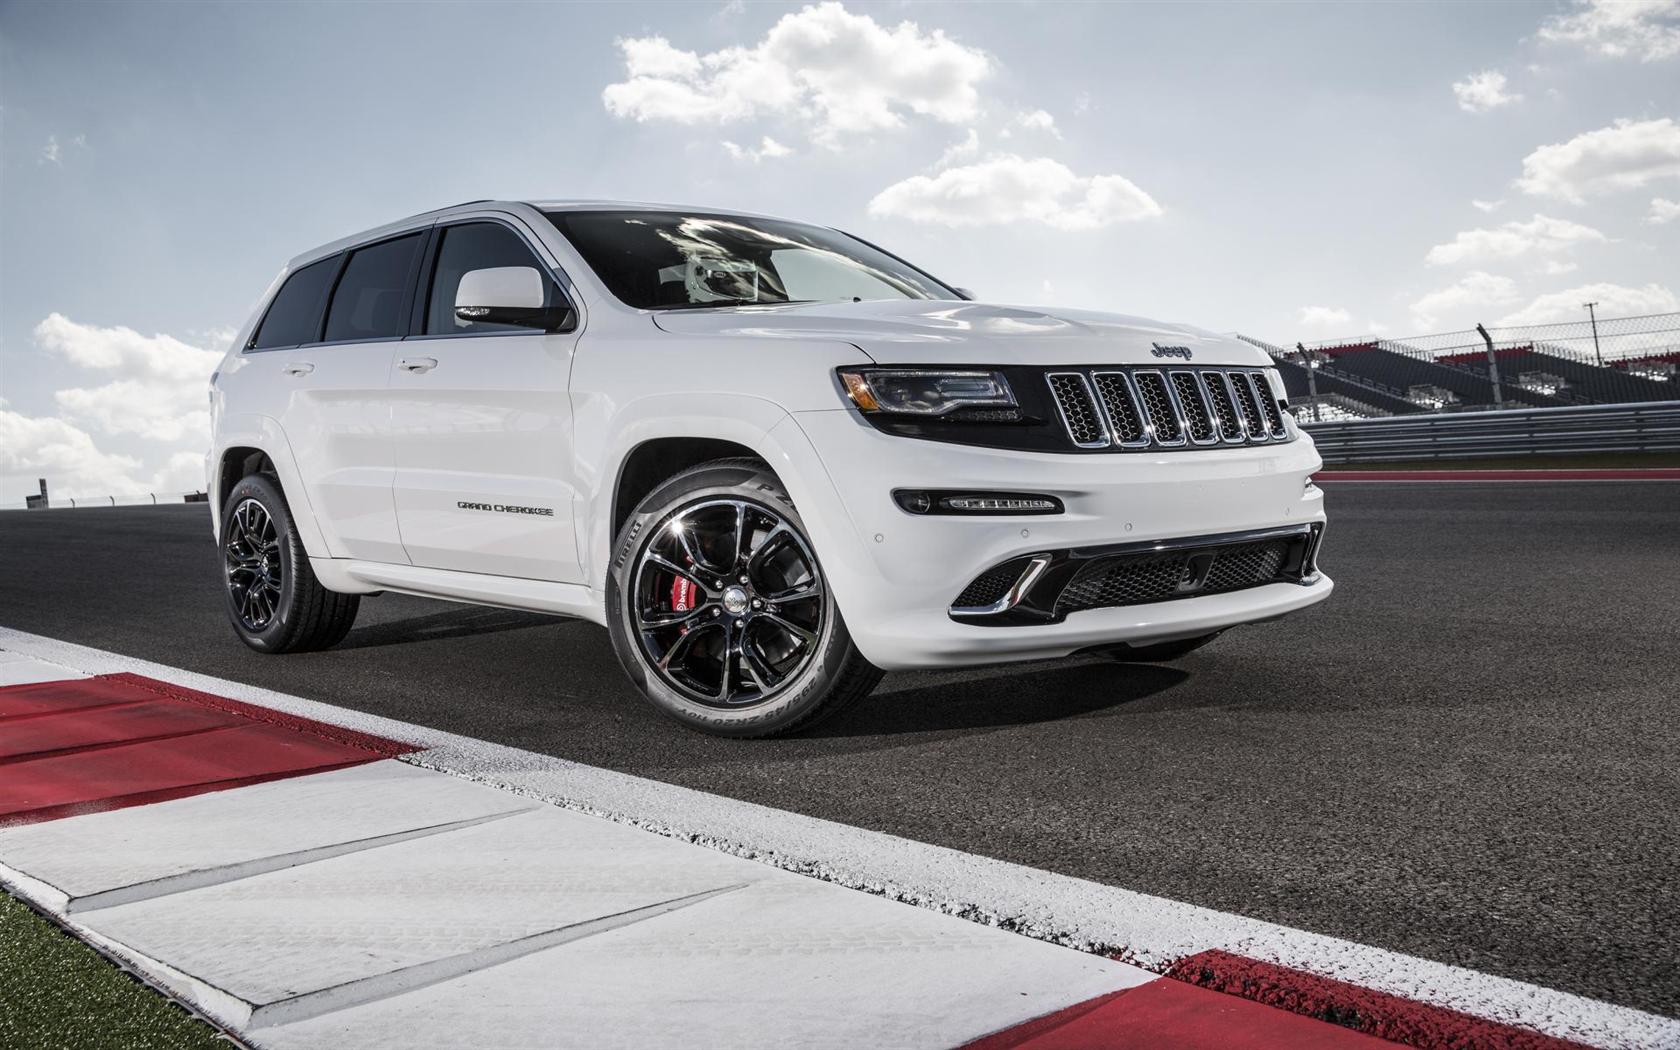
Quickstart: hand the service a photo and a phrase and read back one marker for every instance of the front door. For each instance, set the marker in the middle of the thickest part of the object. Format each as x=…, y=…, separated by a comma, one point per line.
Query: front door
x=481, y=419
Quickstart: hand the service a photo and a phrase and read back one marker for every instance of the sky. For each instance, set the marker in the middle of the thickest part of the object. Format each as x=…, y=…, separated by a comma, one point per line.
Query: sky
x=1290, y=171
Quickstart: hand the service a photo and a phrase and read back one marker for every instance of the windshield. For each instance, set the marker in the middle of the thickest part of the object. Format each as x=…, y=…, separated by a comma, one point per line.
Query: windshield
x=671, y=261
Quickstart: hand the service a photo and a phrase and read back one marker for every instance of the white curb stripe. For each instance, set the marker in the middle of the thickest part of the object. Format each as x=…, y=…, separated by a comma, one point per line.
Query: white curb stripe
x=1150, y=931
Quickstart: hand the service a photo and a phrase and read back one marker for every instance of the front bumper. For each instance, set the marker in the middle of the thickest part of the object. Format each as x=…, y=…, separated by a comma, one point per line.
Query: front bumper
x=896, y=575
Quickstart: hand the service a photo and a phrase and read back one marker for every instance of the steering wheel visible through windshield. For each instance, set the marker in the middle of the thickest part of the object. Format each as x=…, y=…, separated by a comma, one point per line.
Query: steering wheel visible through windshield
x=656, y=260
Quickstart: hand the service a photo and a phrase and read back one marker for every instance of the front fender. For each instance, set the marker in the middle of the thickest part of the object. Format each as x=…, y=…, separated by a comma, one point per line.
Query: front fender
x=739, y=418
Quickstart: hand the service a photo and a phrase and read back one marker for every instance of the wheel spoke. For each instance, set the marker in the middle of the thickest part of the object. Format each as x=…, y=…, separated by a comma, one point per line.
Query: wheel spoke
x=736, y=563
x=658, y=618
x=805, y=635
x=689, y=549
x=681, y=646
x=669, y=566
x=762, y=674
x=811, y=588
x=725, y=677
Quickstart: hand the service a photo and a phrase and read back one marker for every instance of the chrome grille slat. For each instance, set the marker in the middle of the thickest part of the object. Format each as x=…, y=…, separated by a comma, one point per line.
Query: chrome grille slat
x=1140, y=408
x=1193, y=405
x=1165, y=424
x=1248, y=402
x=1225, y=407
x=1269, y=406
x=1123, y=406
x=1078, y=408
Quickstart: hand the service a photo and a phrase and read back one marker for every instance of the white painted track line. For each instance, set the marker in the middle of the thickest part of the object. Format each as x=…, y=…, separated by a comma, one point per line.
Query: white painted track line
x=1152, y=931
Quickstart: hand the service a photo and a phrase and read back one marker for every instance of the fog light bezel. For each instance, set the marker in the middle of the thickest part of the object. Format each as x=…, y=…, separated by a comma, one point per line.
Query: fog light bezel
x=925, y=503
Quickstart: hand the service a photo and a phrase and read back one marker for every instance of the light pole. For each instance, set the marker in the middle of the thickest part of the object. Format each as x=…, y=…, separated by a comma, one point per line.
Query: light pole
x=1592, y=316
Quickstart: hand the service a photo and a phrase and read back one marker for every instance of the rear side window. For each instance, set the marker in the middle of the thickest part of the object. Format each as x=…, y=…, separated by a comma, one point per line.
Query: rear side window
x=368, y=303
x=295, y=315
x=477, y=246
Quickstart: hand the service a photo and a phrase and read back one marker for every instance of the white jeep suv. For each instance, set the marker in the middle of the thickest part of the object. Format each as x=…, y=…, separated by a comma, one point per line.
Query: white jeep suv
x=772, y=459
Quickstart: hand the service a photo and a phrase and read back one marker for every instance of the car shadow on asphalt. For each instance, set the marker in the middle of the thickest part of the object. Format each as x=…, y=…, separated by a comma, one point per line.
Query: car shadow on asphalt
x=455, y=623
x=997, y=698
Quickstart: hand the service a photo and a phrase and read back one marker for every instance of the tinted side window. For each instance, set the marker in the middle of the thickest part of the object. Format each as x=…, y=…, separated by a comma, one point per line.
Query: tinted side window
x=368, y=303
x=295, y=315
x=477, y=246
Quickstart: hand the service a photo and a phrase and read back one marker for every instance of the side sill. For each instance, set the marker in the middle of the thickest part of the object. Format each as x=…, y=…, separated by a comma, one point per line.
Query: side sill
x=348, y=576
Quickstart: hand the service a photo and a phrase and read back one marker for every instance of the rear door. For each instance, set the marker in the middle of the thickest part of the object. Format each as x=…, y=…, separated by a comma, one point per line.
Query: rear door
x=482, y=420
x=327, y=366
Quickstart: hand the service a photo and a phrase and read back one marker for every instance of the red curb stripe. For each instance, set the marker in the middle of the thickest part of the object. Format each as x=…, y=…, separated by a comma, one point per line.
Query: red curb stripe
x=1172, y=1015
x=1608, y=474
x=112, y=741
x=108, y=726
x=381, y=746
x=1390, y=1017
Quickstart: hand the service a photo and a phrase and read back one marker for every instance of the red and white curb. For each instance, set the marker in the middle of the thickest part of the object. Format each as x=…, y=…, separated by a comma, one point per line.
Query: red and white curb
x=342, y=890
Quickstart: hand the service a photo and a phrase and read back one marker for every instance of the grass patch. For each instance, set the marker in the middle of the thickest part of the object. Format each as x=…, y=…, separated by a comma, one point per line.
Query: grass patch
x=56, y=993
x=1591, y=461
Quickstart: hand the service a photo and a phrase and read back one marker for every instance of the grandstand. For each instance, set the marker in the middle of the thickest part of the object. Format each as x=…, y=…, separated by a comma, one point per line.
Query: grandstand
x=1616, y=361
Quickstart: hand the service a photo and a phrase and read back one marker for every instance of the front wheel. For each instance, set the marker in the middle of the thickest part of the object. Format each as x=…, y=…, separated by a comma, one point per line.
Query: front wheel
x=273, y=598
x=720, y=612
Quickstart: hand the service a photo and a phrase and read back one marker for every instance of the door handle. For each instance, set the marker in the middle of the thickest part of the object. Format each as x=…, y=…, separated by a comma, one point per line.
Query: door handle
x=417, y=364
x=299, y=368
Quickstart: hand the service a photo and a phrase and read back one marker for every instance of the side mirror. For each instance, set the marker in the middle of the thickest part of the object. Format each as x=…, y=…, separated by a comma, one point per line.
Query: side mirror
x=509, y=295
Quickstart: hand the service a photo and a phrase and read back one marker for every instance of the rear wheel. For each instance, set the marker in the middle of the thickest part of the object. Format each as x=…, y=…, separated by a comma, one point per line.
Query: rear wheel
x=1159, y=652
x=719, y=610
x=274, y=601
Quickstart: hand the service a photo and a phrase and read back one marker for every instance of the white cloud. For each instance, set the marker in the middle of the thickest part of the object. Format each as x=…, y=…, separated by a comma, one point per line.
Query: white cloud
x=837, y=71
x=1324, y=317
x=1540, y=235
x=1487, y=206
x=1556, y=268
x=1483, y=91
x=32, y=447
x=1082, y=103
x=1648, y=30
x=1627, y=155
x=157, y=383
x=1475, y=291
x=1614, y=300
x=968, y=147
x=1663, y=211
x=1038, y=120
x=768, y=149
x=1010, y=189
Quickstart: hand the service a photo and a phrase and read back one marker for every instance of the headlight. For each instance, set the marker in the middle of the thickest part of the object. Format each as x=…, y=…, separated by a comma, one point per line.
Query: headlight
x=923, y=392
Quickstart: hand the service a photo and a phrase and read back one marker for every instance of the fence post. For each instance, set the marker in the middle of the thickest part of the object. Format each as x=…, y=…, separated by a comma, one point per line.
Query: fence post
x=1493, y=369
x=1312, y=380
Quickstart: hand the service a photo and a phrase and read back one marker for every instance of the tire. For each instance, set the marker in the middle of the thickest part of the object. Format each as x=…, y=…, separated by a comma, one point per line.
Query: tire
x=274, y=601
x=1160, y=652
x=730, y=667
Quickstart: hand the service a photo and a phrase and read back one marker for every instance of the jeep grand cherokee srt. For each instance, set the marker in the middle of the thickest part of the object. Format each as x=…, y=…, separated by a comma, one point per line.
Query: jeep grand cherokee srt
x=771, y=458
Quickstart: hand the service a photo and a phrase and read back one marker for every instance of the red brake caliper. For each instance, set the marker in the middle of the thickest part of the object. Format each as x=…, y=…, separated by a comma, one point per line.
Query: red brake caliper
x=685, y=595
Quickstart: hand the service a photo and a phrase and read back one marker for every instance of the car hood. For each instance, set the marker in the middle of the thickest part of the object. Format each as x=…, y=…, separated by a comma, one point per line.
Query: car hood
x=941, y=332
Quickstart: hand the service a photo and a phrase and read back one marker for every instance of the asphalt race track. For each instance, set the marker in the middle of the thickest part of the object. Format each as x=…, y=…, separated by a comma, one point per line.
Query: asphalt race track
x=1468, y=754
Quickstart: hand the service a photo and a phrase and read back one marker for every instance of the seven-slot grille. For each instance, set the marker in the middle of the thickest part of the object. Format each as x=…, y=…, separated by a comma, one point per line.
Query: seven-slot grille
x=1141, y=408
